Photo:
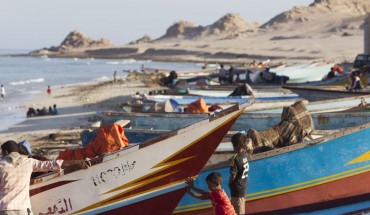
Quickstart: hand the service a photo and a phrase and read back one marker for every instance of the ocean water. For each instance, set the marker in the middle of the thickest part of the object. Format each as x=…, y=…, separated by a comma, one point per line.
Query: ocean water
x=25, y=78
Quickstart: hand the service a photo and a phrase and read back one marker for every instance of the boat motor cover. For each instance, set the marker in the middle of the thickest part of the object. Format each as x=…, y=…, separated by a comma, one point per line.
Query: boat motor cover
x=199, y=106
x=109, y=138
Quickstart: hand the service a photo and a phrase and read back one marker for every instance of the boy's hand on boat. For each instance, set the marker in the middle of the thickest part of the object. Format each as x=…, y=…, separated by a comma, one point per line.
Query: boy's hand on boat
x=85, y=164
x=189, y=181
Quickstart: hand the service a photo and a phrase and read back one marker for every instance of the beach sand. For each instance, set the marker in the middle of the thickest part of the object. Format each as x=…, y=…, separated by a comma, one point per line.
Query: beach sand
x=79, y=106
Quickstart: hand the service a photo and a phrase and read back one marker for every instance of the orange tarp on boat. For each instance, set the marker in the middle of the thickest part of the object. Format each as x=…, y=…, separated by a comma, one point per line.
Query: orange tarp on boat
x=199, y=106
x=109, y=138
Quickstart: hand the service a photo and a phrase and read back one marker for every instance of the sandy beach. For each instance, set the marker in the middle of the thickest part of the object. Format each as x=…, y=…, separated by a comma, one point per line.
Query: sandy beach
x=79, y=106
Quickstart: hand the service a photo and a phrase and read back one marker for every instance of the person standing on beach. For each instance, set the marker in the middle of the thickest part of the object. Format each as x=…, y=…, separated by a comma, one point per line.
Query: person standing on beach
x=222, y=73
x=49, y=90
x=355, y=82
x=239, y=172
x=115, y=76
x=2, y=92
x=15, y=175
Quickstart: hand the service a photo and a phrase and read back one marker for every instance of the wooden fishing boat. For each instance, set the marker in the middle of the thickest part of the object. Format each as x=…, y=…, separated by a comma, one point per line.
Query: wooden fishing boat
x=157, y=122
x=318, y=93
x=305, y=74
x=326, y=175
x=181, y=74
x=137, y=133
x=340, y=81
x=279, y=94
x=360, y=103
x=139, y=179
x=184, y=100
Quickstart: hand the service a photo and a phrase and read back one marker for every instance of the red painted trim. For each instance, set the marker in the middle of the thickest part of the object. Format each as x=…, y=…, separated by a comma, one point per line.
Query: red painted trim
x=49, y=187
x=328, y=192
x=163, y=204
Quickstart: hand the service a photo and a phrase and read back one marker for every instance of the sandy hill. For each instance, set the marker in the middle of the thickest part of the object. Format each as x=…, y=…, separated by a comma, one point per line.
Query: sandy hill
x=230, y=24
x=182, y=30
x=77, y=39
x=144, y=39
x=322, y=15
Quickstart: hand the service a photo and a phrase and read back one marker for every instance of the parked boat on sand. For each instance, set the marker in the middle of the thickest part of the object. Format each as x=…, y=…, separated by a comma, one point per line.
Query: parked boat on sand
x=326, y=175
x=306, y=73
x=132, y=180
x=156, y=123
x=319, y=93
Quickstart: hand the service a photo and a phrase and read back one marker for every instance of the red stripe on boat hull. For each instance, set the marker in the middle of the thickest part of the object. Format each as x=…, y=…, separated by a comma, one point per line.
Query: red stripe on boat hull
x=49, y=187
x=163, y=204
x=320, y=194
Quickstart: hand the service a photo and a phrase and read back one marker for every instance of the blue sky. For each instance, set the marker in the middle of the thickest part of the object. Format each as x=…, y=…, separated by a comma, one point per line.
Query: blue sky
x=33, y=24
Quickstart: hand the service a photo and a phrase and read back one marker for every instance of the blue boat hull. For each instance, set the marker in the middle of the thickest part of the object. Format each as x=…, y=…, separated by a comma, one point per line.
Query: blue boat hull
x=325, y=176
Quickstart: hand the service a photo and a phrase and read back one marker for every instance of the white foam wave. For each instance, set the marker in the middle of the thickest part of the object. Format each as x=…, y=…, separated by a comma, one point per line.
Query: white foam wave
x=127, y=61
x=35, y=80
x=113, y=62
x=104, y=78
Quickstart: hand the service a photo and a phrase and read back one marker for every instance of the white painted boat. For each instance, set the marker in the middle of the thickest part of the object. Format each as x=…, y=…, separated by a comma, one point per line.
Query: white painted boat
x=256, y=116
x=330, y=105
x=258, y=94
x=305, y=74
x=318, y=93
x=138, y=179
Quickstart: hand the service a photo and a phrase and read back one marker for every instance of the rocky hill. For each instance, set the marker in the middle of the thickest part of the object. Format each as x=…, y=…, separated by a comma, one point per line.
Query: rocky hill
x=77, y=39
x=182, y=30
x=321, y=13
x=144, y=39
x=228, y=25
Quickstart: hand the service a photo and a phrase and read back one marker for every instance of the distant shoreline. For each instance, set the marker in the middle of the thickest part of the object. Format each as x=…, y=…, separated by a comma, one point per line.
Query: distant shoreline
x=167, y=55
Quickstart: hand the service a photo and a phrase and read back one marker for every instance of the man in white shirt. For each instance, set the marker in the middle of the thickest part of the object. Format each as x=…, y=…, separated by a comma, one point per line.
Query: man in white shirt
x=15, y=175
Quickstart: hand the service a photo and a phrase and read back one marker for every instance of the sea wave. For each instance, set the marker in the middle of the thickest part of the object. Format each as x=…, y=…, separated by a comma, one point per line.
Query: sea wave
x=34, y=80
x=103, y=78
x=127, y=61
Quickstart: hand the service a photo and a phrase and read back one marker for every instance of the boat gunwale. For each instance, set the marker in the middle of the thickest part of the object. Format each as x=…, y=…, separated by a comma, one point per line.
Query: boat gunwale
x=330, y=89
x=328, y=135
x=108, y=156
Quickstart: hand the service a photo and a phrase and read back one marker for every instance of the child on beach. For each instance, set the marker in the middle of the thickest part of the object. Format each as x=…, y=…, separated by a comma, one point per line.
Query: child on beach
x=239, y=171
x=49, y=91
x=219, y=199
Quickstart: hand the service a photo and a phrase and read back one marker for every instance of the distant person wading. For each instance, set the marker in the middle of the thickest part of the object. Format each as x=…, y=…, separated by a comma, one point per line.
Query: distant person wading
x=49, y=91
x=2, y=92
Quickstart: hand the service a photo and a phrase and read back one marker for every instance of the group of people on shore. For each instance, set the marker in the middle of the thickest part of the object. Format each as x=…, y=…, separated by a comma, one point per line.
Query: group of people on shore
x=227, y=76
x=43, y=111
x=355, y=81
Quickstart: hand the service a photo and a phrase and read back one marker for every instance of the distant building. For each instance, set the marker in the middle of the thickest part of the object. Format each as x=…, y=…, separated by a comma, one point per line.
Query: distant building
x=367, y=35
